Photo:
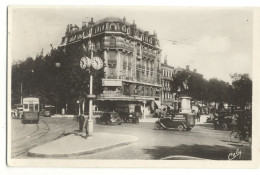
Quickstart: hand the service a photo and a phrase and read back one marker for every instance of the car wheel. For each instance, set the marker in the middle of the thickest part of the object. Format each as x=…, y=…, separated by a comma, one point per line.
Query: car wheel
x=234, y=136
x=188, y=129
x=119, y=123
x=157, y=126
x=180, y=127
x=224, y=126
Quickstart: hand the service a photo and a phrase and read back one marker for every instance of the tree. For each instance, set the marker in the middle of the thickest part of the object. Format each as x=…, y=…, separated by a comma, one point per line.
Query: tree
x=242, y=89
x=196, y=85
x=55, y=85
x=218, y=90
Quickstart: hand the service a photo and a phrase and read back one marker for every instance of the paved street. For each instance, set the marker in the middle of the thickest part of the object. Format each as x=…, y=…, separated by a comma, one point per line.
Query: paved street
x=27, y=136
x=201, y=142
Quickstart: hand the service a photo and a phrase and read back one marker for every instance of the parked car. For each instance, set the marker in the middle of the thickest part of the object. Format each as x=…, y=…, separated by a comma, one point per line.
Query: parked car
x=210, y=118
x=129, y=114
x=17, y=112
x=109, y=118
x=49, y=110
x=223, y=120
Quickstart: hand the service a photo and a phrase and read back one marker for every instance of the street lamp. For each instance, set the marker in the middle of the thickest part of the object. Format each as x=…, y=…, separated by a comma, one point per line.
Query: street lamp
x=96, y=63
x=32, y=71
x=57, y=65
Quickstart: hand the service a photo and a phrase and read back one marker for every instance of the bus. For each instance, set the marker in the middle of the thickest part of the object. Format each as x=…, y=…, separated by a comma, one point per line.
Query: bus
x=30, y=110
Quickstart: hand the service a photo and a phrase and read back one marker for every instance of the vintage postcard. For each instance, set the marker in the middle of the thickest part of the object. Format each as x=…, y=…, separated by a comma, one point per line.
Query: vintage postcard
x=169, y=87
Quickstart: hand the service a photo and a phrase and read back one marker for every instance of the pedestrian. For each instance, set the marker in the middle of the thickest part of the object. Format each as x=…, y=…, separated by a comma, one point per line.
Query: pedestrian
x=198, y=115
x=81, y=122
x=164, y=112
x=86, y=125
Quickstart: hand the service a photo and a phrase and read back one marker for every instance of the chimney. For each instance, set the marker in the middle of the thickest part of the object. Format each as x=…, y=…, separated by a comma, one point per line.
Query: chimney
x=67, y=30
x=154, y=33
x=165, y=60
x=195, y=70
x=188, y=68
x=76, y=27
x=91, y=22
x=70, y=27
x=134, y=25
x=124, y=19
x=84, y=24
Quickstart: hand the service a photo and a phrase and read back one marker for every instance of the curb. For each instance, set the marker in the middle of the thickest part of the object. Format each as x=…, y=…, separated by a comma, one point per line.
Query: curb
x=90, y=151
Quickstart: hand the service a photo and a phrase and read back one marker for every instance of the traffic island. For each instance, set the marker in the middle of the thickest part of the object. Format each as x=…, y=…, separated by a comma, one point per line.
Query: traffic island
x=74, y=145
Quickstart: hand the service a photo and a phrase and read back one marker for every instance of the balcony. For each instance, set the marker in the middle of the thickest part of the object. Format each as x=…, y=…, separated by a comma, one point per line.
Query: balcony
x=167, y=89
x=118, y=45
x=148, y=54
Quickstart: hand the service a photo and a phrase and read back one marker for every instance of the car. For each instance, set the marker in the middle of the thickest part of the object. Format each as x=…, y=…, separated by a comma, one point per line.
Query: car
x=132, y=117
x=109, y=118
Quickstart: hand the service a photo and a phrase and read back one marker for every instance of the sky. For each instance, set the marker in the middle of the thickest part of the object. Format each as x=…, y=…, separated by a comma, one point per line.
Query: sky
x=215, y=41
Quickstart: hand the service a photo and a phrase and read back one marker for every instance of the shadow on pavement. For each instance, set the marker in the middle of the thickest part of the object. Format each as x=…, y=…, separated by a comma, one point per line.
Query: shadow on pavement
x=215, y=152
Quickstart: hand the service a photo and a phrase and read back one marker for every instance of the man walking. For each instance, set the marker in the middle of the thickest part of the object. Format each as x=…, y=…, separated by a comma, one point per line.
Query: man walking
x=81, y=122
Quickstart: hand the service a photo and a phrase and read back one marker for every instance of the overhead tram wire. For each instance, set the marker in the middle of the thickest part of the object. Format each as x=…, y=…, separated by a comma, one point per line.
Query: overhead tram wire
x=194, y=24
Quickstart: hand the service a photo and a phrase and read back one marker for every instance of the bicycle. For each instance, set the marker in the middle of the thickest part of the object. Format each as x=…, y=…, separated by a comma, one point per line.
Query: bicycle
x=236, y=136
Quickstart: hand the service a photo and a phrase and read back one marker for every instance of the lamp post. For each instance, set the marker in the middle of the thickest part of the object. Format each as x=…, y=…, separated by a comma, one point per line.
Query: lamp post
x=96, y=63
x=57, y=65
x=90, y=120
x=21, y=92
x=32, y=71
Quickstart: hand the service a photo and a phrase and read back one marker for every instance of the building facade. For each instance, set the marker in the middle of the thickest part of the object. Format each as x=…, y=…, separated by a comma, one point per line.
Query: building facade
x=132, y=62
x=167, y=96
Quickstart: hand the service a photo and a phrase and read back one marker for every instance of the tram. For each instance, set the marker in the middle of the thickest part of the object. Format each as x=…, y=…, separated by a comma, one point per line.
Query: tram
x=30, y=110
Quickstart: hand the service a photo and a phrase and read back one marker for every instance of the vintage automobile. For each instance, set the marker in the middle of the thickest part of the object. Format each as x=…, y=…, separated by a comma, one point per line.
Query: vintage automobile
x=176, y=121
x=48, y=110
x=223, y=120
x=109, y=118
x=182, y=120
x=17, y=112
x=129, y=113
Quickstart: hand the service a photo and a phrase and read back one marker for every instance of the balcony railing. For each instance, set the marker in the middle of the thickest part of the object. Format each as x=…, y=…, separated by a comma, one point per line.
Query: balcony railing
x=148, y=54
x=119, y=45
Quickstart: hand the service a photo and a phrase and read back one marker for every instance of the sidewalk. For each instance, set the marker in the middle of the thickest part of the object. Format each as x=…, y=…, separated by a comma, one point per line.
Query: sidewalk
x=76, y=144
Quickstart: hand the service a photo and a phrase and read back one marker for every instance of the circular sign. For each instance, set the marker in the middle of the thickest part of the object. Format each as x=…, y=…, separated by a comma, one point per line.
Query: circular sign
x=97, y=63
x=85, y=62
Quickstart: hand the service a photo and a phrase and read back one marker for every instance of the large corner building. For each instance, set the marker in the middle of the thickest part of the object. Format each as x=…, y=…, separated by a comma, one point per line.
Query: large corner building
x=132, y=62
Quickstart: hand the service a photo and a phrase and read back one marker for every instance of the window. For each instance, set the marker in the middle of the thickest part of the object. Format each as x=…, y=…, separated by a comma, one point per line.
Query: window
x=113, y=27
x=36, y=107
x=25, y=106
x=112, y=42
x=30, y=107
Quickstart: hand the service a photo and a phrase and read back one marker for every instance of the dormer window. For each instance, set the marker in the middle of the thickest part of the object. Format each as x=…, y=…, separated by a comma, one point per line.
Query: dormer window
x=113, y=27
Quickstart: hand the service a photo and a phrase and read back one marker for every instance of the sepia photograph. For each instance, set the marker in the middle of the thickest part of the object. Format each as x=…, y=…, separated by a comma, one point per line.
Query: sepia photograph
x=131, y=86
